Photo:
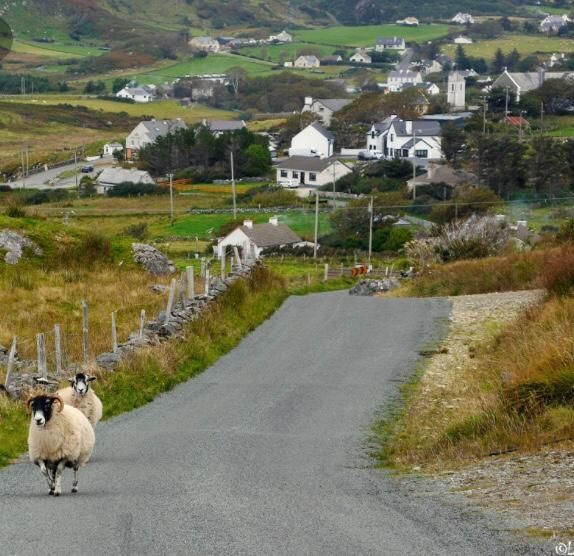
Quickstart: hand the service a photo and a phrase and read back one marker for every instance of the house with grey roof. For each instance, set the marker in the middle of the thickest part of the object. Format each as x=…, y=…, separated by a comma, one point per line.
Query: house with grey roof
x=147, y=133
x=397, y=78
x=306, y=62
x=414, y=139
x=137, y=94
x=112, y=177
x=205, y=44
x=445, y=174
x=254, y=239
x=218, y=127
x=325, y=107
x=361, y=57
x=390, y=43
x=521, y=83
x=315, y=140
x=553, y=23
x=463, y=19
x=309, y=171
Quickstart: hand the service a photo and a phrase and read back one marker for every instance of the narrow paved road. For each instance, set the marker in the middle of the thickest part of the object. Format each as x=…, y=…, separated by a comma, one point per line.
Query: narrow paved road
x=263, y=454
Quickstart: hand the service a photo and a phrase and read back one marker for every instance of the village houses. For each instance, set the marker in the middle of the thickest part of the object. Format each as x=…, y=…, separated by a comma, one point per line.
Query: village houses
x=310, y=171
x=146, y=133
x=307, y=62
x=314, y=141
x=325, y=107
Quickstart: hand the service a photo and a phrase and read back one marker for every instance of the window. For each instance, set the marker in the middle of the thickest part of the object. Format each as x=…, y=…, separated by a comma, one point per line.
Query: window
x=422, y=154
x=295, y=174
x=284, y=173
x=392, y=137
x=312, y=176
x=372, y=134
x=405, y=153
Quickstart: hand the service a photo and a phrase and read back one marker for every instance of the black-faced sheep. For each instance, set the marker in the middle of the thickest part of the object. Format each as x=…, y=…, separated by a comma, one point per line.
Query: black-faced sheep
x=82, y=397
x=60, y=436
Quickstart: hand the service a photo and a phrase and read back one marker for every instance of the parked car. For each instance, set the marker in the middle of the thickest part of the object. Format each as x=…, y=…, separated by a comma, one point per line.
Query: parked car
x=88, y=169
x=289, y=184
x=370, y=155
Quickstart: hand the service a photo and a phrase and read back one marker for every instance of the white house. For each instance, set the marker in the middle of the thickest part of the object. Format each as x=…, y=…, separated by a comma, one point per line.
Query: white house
x=111, y=148
x=463, y=19
x=395, y=137
x=137, y=94
x=146, y=133
x=408, y=22
x=310, y=171
x=397, y=78
x=307, y=62
x=256, y=238
x=284, y=36
x=462, y=40
x=520, y=83
x=314, y=140
x=206, y=44
x=553, y=23
x=431, y=66
x=110, y=177
x=361, y=57
x=390, y=43
x=325, y=107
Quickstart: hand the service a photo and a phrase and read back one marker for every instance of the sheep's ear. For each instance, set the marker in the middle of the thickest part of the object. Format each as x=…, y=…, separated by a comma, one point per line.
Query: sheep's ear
x=60, y=401
x=90, y=378
x=29, y=404
x=72, y=380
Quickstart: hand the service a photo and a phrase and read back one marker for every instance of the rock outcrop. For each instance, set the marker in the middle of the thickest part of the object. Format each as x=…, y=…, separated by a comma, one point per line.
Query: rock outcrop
x=14, y=244
x=153, y=260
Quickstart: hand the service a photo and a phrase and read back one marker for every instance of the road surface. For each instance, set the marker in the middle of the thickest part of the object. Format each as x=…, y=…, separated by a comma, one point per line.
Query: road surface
x=263, y=454
x=42, y=179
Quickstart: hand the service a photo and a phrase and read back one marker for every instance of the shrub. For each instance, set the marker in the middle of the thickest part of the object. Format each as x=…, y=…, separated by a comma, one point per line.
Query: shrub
x=558, y=272
x=135, y=189
x=137, y=231
x=92, y=249
x=14, y=211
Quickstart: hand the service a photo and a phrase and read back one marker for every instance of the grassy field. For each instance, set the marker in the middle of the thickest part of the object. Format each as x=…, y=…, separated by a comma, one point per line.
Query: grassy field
x=525, y=44
x=367, y=35
x=287, y=52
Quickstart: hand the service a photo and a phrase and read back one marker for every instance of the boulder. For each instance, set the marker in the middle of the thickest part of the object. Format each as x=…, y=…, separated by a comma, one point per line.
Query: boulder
x=14, y=244
x=153, y=260
x=373, y=287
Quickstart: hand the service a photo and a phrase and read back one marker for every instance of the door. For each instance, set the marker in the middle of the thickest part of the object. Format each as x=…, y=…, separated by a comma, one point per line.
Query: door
x=302, y=176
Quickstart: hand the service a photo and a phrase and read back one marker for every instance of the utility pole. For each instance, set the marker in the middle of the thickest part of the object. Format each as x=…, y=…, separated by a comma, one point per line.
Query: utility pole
x=316, y=224
x=233, y=187
x=371, y=210
x=484, y=116
x=23, y=170
x=541, y=118
x=171, y=198
x=414, y=162
x=76, y=171
x=506, y=104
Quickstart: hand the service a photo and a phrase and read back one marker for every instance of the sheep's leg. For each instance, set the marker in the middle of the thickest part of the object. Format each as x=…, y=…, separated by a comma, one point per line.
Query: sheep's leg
x=46, y=472
x=75, y=483
x=58, y=477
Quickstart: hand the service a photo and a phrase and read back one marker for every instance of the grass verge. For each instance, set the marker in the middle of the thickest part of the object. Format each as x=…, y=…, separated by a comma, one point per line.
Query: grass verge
x=150, y=372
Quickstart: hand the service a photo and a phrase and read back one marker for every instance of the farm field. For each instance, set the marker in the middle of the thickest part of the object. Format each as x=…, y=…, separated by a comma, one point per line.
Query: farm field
x=287, y=52
x=525, y=45
x=367, y=35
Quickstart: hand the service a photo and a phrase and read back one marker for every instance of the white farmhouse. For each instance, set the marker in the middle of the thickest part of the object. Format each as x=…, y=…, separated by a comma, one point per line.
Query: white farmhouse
x=309, y=171
x=111, y=177
x=256, y=238
x=284, y=36
x=397, y=138
x=111, y=148
x=314, y=140
x=137, y=94
x=307, y=62
x=461, y=39
x=463, y=19
x=398, y=78
x=553, y=23
x=205, y=44
x=146, y=133
x=408, y=22
x=390, y=43
x=361, y=57
x=325, y=107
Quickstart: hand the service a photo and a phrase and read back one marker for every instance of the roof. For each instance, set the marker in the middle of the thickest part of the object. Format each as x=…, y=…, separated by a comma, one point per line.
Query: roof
x=528, y=81
x=310, y=59
x=446, y=174
x=322, y=130
x=447, y=117
x=404, y=74
x=225, y=125
x=307, y=163
x=135, y=91
x=115, y=176
x=417, y=140
x=334, y=104
x=516, y=120
x=268, y=235
x=390, y=41
x=385, y=124
x=421, y=128
x=159, y=128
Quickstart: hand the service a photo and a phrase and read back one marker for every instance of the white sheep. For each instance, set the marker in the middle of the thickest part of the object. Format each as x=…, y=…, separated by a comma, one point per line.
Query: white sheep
x=59, y=437
x=82, y=397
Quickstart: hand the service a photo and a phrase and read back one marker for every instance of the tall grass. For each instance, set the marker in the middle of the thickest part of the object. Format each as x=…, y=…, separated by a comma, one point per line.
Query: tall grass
x=158, y=369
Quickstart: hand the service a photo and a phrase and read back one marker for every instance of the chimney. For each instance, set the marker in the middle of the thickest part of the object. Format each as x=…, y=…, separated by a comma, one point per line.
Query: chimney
x=541, y=76
x=308, y=101
x=248, y=224
x=274, y=220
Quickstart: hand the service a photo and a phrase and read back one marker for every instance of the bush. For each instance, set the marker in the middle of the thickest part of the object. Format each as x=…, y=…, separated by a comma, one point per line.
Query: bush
x=136, y=189
x=558, y=272
x=137, y=231
x=93, y=249
x=14, y=211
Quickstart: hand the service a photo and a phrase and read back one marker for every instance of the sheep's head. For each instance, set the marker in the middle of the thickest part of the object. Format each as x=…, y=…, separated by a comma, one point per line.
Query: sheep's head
x=42, y=407
x=81, y=383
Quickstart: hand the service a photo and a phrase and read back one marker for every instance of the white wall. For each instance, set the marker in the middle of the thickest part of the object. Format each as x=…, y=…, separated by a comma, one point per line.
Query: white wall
x=310, y=138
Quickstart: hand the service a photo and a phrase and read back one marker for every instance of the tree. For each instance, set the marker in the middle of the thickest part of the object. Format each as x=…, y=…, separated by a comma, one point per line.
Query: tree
x=461, y=60
x=549, y=167
x=258, y=160
x=119, y=83
x=236, y=76
x=452, y=141
x=499, y=61
x=557, y=95
x=497, y=100
x=512, y=60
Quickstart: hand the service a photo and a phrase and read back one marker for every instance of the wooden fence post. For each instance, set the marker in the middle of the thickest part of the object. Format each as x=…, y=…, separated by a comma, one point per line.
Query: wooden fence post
x=85, y=332
x=207, y=282
x=237, y=256
x=114, y=333
x=342, y=273
x=142, y=323
x=58, y=345
x=326, y=275
x=170, y=301
x=11, y=361
x=190, y=283
x=41, y=355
